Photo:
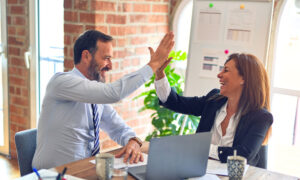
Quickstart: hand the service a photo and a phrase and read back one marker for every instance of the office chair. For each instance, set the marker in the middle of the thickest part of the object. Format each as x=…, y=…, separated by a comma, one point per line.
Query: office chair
x=263, y=161
x=26, y=144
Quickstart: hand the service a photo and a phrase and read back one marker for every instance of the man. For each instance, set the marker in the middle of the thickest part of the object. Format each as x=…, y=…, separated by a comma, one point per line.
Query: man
x=76, y=101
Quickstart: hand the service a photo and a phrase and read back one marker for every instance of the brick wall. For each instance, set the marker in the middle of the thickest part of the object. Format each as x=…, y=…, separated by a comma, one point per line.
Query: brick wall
x=134, y=25
x=18, y=74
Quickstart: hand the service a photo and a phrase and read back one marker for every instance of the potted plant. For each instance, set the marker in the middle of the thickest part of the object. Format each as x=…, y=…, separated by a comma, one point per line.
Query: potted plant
x=165, y=121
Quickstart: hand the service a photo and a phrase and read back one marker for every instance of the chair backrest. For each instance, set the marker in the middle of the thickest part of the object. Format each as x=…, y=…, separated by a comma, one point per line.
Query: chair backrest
x=26, y=145
x=263, y=160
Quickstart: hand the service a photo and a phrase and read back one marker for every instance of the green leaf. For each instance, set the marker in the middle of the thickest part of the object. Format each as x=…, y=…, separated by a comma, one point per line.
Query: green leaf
x=164, y=120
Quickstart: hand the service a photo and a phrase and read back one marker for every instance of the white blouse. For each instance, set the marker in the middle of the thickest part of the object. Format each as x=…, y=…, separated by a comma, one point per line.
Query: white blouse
x=163, y=90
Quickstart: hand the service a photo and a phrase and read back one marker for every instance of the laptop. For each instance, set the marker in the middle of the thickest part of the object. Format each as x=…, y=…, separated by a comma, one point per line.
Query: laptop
x=175, y=157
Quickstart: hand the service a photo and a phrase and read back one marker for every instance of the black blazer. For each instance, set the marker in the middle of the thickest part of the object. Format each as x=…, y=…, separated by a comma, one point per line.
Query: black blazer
x=251, y=129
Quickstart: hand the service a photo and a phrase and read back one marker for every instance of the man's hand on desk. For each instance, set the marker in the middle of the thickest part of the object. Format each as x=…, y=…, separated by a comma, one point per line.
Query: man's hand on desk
x=133, y=150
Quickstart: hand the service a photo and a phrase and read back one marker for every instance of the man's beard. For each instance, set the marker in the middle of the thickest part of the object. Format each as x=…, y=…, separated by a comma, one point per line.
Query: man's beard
x=94, y=72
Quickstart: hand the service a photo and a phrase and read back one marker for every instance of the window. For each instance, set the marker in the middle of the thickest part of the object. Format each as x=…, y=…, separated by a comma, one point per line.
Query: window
x=47, y=49
x=4, y=136
x=182, y=27
x=285, y=91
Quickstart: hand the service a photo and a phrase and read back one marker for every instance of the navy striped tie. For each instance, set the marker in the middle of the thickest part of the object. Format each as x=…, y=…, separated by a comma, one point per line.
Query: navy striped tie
x=96, y=121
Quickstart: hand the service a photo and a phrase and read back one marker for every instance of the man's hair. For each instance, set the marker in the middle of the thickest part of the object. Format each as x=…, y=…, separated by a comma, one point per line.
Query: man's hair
x=88, y=41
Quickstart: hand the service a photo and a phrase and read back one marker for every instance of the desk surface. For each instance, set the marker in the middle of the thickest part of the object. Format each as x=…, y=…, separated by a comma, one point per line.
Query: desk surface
x=85, y=169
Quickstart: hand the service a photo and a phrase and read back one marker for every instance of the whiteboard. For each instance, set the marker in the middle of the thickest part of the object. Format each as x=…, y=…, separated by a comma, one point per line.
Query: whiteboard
x=220, y=28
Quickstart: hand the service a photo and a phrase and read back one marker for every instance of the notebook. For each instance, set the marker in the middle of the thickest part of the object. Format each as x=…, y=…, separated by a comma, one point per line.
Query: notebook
x=175, y=157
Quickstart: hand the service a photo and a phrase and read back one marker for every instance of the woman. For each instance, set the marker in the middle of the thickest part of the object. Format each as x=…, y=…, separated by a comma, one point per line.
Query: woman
x=237, y=114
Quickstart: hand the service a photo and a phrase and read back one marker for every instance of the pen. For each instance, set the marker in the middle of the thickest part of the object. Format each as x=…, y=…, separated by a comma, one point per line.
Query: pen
x=58, y=176
x=37, y=173
x=63, y=172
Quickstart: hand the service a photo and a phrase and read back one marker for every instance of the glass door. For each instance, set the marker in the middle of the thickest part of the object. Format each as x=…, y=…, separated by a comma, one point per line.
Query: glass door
x=4, y=136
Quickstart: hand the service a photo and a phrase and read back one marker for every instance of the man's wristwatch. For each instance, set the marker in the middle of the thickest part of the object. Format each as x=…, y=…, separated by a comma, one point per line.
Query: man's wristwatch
x=138, y=140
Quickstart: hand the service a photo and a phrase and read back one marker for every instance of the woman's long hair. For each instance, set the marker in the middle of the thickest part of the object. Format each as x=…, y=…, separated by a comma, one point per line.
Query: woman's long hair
x=256, y=88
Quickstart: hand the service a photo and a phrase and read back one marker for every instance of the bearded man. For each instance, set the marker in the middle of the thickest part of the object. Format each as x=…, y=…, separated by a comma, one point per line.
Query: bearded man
x=77, y=103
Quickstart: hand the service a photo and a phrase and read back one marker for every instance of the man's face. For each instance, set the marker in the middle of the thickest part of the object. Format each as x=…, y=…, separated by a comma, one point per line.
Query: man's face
x=101, y=61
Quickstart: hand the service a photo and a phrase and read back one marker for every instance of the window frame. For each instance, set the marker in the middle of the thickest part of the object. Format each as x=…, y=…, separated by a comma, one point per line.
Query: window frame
x=4, y=149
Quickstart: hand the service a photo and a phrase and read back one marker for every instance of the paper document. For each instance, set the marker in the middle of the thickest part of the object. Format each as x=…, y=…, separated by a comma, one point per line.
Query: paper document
x=118, y=162
x=216, y=167
x=206, y=177
x=46, y=174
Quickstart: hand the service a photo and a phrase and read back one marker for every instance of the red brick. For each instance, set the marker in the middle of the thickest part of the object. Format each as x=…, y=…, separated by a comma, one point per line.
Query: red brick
x=163, y=8
x=24, y=92
x=12, y=1
x=11, y=30
x=117, y=31
x=18, y=91
x=141, y=7
x=71, y=16
x=68, y=64
x=20, y=101
x=18, y=119
x=148, y=29
x=158, y=19
x=115, y=19
x=67, y=40
x=67, y=4
x=81, y=4
x=15, y=41
x=8, y=20
x=132, y=30
x=135, y=62
x=103, y=6
x=133, y=123
x=126, y=63
x=141, y=50
x=87, y=18
x=17, y=61
x=138, y=40
x=121, y=42
x=23, y=1
x=138, y=18
x=18, y=21
x=16, y=110
x=14, y=51
x=163, y=29
x=119, y=54
x=127, y=7
x=17, y=10
x=17, y=71
x=21, y=31
x=11, y=90
x=73, y=28
x=99, y=18
x=115, y=65
x=103, y=29
x=18, y=82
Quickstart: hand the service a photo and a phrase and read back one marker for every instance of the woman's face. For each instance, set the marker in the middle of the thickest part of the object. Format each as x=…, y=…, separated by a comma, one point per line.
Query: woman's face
x=230, y=80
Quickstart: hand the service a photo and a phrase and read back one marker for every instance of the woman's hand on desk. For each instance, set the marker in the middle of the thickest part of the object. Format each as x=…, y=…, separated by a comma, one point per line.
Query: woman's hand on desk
x=132, y=150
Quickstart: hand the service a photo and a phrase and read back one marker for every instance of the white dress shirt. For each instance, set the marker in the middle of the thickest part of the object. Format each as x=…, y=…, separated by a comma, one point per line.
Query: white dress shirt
x=66, y=129
x=163, y=90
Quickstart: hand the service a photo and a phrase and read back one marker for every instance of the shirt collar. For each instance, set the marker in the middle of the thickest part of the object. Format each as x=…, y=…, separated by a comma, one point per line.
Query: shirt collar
x=223, y=108
x=77, y=72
